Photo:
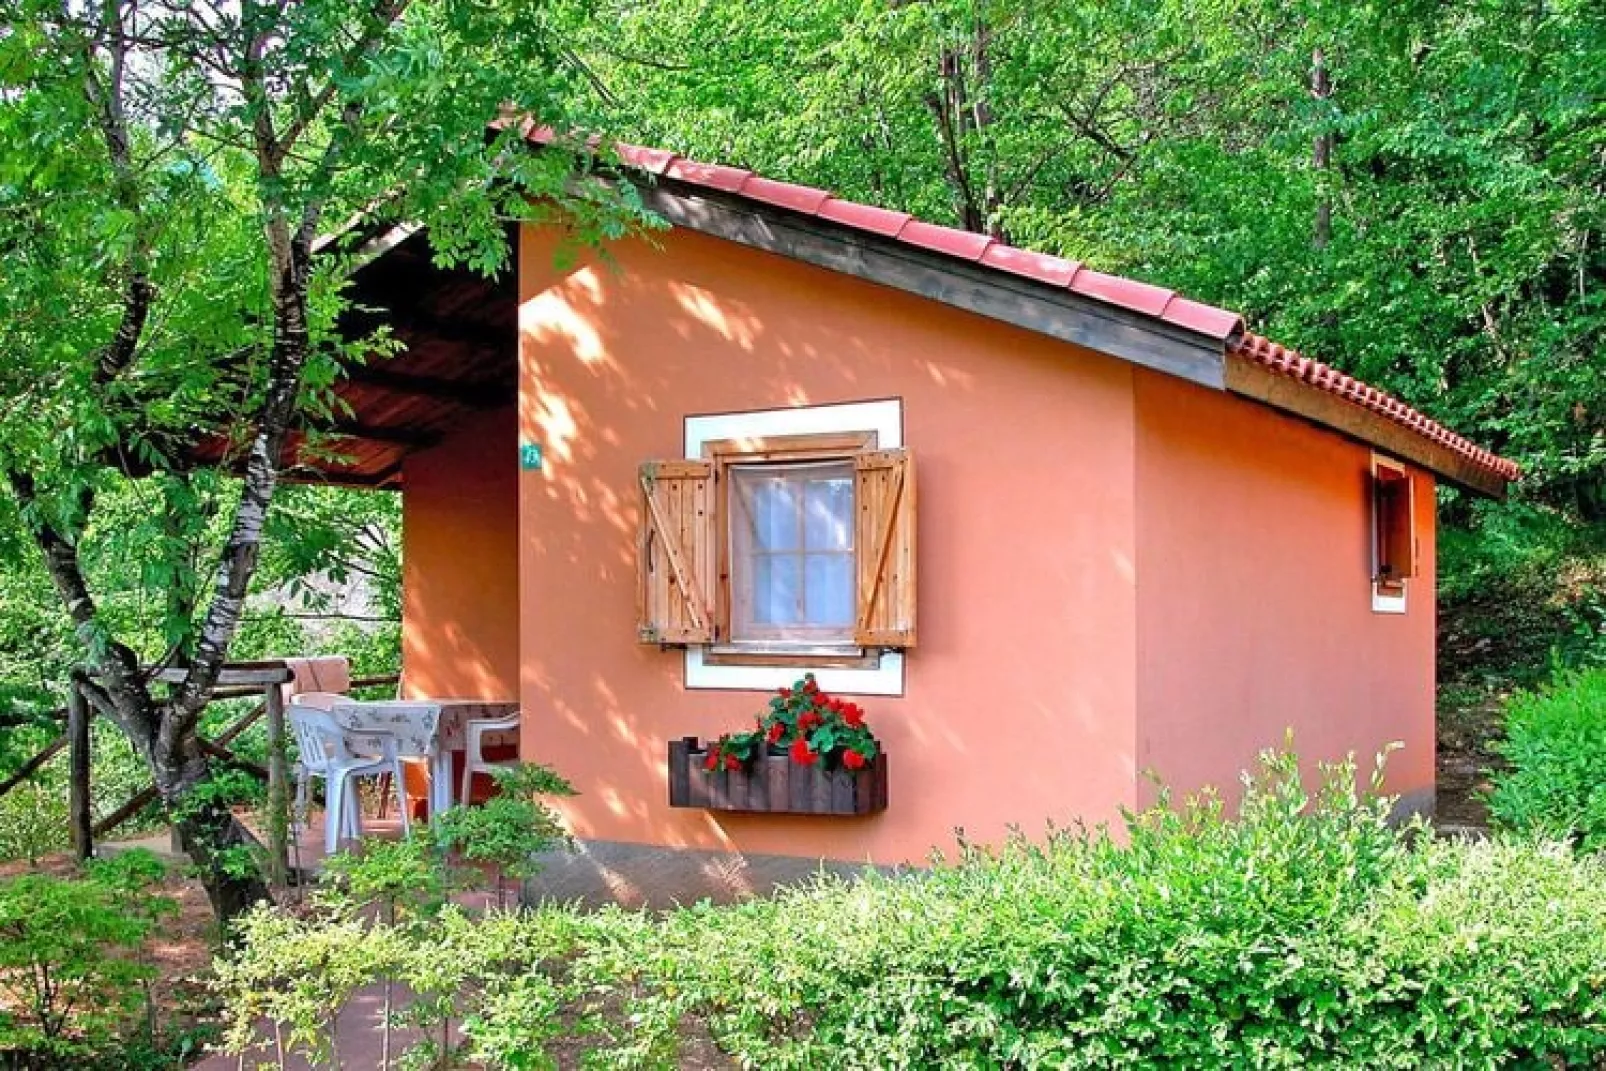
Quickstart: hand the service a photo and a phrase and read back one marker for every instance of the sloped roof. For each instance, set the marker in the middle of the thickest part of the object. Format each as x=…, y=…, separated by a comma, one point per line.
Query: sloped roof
x=1294, y=365
x=1472, y=464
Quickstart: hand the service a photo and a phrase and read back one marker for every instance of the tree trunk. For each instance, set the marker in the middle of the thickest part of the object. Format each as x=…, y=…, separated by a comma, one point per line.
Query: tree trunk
x=223, y=850
x=1321, y=87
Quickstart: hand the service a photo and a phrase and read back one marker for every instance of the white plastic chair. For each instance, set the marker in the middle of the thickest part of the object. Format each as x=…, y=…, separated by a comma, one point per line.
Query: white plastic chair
x=324, y=753
x=474, y=761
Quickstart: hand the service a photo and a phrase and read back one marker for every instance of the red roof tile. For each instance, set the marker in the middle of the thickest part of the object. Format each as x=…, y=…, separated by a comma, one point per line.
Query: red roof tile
x=1286, y=362
x=1127, y=293
x=804, y=199
x=651, y=160
x=1212, y=322
x=713, y=176
x=1055, y=271
x=1205, y=319
x=882, y=221
x=965, y=245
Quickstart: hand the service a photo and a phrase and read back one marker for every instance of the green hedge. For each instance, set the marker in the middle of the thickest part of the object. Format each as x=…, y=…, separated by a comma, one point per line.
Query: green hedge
x=1556, y=746
x=1308, y=932
x=1299, y=935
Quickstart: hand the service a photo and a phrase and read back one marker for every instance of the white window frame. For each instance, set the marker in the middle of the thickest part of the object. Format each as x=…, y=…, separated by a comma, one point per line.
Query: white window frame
x=1384, y=602
x=885, y=418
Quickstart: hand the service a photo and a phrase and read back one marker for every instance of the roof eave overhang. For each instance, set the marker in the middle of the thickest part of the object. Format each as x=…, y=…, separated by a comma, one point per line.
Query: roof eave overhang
x=1051, y=311
x=1251, y=380
x=1202, y=358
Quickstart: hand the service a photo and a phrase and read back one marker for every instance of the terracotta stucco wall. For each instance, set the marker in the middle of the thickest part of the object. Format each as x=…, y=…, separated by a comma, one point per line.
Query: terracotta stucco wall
x=1019, y=703
x=1254, y=597
x=460, y=565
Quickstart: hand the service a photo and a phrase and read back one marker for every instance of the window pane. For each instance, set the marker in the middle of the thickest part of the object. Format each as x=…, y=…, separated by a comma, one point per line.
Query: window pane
x=828, y=513
x=775, y=590
x=829, y=585
x=774, y=513
x=791, y=546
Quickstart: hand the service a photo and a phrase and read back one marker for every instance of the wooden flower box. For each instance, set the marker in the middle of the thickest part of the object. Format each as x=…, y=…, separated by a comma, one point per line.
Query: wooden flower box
x=774, y=785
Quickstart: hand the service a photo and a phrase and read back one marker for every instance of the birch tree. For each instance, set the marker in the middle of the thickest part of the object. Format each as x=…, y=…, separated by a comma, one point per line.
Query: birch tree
x=171, y=172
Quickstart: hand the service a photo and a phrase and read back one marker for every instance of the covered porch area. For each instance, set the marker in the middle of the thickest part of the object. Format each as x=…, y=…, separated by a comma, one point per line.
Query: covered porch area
x=436, y=422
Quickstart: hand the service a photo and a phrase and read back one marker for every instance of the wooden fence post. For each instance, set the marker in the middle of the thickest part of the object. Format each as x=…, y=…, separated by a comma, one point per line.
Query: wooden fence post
x=78, y=796
x=278, y=790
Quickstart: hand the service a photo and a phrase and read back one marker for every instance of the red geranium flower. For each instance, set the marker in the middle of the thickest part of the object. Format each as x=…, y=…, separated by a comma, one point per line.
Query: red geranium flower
x=732, y=762
x=809, y=721
x=852, y=716
x=712, y=761
x=785, y=693
x=802, y=754
x=777, y=730
x=810, y=686
x=852, y=760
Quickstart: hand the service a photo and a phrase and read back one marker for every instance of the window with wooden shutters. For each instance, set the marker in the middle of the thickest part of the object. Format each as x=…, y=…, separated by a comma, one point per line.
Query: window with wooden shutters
x=812, y=560
x=1393, y=528
x=676, y=553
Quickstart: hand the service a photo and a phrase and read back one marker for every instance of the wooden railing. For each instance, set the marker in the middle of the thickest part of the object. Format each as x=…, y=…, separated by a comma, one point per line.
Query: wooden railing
x=239, y=680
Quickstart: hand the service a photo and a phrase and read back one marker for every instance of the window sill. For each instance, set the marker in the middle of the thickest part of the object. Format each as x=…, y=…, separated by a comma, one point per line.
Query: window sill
x=791, y=655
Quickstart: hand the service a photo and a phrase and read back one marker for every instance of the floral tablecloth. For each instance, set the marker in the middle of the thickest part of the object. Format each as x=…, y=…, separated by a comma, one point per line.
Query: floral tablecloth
x=423, y=728
x=413, y=722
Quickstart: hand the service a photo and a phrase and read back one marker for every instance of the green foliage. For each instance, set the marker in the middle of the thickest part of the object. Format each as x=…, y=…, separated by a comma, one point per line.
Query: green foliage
x=298, y=973
x=69, y=967
x=1305, y=931
x=513, y=827
x=1556, y=747
x=33, y=821
x=404, y=877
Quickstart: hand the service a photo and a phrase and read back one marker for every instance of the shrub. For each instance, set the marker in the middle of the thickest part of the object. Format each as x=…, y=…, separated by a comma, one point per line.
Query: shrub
x=1306, y=930
x=512, y=828
x=70, y=970
x=33, y=821
x=1556, y=746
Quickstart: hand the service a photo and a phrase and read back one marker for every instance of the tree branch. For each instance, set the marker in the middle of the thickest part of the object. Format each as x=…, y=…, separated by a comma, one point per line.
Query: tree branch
x=124, y=695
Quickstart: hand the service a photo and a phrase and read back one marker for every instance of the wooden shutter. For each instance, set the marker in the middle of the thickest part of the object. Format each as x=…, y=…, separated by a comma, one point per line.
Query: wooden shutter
x=1396, y=530
x=675, y=553
x=884, y=538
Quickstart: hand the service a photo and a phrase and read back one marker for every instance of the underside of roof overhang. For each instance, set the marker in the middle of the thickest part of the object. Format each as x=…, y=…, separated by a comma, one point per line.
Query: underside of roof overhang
x=457, y=357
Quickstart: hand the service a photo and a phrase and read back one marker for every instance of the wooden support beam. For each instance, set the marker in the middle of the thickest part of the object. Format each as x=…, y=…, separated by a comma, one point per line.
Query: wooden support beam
x=33, y=765
x=278, y=788
x=411, y=438
x=486, y=345
x=234, y=674
x=78, y=795
x=224, y=755
x=135, y=804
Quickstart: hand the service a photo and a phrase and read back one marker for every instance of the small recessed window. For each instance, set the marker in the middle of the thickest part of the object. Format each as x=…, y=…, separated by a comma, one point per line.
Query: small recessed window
x=1393, y=533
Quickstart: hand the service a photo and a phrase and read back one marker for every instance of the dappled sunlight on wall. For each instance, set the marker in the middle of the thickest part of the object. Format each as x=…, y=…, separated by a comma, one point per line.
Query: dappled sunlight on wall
x=1020, y=700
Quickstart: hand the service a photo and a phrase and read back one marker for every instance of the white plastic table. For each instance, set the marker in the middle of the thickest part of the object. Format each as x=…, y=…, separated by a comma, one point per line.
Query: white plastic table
x=396, y=717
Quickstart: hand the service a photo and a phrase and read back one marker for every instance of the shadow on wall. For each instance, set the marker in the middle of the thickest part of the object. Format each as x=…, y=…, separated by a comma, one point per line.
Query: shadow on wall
x=613, y=357
x=461, y=565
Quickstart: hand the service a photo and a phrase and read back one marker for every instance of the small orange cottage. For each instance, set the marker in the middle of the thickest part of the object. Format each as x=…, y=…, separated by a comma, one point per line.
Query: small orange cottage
x=1146, y=539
